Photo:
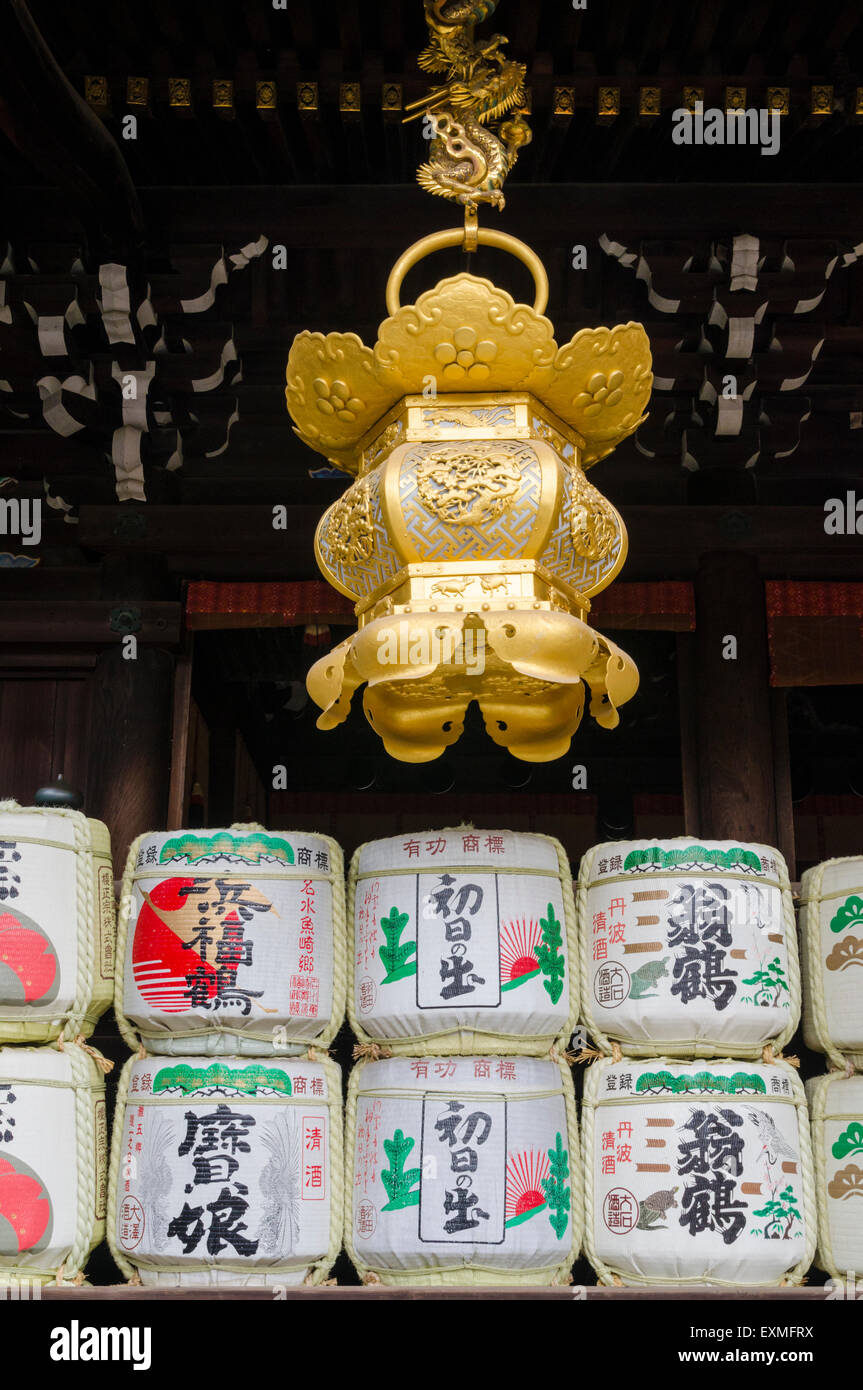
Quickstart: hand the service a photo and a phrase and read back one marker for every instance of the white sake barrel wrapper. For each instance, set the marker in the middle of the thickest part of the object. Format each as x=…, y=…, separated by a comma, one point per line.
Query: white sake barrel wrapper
x=464, y=1170
x=697, y=1172
x=53, y=1163
x=463, y=940
x=687, y=947
x=836, y=1111
x=56, y=923
x=831, y=942
x=226, y=1171
x=231, y=942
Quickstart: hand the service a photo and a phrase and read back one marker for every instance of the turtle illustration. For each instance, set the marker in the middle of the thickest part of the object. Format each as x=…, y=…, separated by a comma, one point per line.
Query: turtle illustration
x=654, y=1208
x=646, y=978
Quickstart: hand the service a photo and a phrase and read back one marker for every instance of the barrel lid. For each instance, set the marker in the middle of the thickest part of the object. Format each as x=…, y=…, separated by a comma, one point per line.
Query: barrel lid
x=59, y=795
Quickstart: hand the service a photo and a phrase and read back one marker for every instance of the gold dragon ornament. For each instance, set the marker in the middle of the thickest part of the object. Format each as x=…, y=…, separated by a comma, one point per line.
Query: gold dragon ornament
x=470, y=540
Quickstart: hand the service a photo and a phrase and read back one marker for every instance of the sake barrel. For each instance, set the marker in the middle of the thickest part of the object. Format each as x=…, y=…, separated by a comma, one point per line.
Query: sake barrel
x=836, y=1112
x=464, y=1171
x=831, y=941
x=697, y=1173
x=226, y=1171
x=463, y=940
x=231, y=942
x=53, y=1170
x=687, y=947
x=56, y=923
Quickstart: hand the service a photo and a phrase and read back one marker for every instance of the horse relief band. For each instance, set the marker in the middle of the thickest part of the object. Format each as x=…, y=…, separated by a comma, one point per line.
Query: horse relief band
x=464, y=1170
x=836, y=1109
x=226, y=1171
x=231, y=942
x=831, y=941
x=462, y=940
x=53, y=1163
x=687, y=947
x=697, y=1173
x=56, y=923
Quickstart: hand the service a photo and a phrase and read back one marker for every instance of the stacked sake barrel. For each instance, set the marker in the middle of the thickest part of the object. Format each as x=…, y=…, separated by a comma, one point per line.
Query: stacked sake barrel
x=56, y=979
x=226, y=1160
x=461, y=1142
x=698, y=1166
x=831, y=935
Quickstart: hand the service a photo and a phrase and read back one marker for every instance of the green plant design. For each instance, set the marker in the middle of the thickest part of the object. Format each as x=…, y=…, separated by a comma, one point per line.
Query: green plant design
x=770, y=982
x=401, y=1187
x=851, y=1142
x=781, y=1213
x=251, y=848
x=556, y=1188
x=658, y=858
x=700, y=1082
x=395, y=956
x=850, y=914
x=551, y=962
x=248, y=1079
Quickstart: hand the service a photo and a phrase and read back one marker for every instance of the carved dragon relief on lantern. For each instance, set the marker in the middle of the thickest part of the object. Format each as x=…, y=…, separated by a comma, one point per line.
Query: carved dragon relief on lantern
x=470, y=525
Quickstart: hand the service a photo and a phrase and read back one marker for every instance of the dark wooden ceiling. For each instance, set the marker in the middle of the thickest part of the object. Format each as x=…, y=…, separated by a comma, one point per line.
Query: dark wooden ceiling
x=337, y=190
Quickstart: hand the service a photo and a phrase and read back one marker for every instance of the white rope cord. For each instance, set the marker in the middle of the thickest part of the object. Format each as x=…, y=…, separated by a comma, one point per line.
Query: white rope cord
x=824, y=1256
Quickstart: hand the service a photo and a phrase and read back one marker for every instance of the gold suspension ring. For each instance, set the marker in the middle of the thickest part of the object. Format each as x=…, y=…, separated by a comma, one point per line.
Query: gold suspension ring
x=439, y=241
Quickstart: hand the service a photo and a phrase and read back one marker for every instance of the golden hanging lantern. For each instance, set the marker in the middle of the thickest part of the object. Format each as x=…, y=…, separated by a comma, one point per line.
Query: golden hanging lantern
x=470, y=540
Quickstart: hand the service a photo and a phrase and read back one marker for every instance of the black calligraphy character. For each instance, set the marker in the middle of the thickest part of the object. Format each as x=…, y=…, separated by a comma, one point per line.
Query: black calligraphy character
x=447, y=1125
x=200, y=983
x=464, y=1160
x=222, y=1129
x=702, y=974
x=226, y=1226
x=709, y=1206
x=462, y=1202
x=699, y=914
x=188, y=1227
x=443, y=894
x=715, y=1144
x=458, y=969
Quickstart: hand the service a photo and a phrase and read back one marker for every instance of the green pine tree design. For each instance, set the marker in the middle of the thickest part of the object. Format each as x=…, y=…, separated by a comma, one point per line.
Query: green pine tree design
x=770, y=982
x=551, y=962
x=556, y=1188
x=395, y=957
x=401, y=1187
x=781, y=1214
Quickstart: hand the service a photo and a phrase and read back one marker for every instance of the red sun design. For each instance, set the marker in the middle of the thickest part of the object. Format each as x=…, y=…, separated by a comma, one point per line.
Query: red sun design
x=27, y=953
x=524, y=1175
x=517, y=940
x=24, y=1204
x=160, y=962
